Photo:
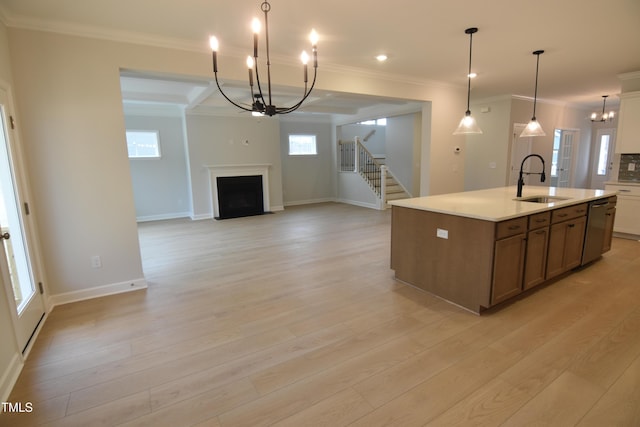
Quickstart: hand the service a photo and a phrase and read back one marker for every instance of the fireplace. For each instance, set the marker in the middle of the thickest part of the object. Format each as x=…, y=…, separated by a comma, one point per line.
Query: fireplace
x=254, y=172
x=239, y=196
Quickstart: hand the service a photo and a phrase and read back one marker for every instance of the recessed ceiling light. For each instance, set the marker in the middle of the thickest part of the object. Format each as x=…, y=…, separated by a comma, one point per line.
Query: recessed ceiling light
x=381, y=58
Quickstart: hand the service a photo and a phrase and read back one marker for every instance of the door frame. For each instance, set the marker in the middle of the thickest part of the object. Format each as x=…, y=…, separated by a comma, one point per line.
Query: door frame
x=30, y=229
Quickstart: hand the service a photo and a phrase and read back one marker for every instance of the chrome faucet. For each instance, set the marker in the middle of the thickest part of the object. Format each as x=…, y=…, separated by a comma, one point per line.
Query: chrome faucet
x=521, y=181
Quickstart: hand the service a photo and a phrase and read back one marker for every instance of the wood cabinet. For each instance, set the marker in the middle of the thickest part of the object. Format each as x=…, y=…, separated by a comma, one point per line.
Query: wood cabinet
x=627, y=140
x=535, y=267
x=566, y=240
x=508, y=259
x=477, y=263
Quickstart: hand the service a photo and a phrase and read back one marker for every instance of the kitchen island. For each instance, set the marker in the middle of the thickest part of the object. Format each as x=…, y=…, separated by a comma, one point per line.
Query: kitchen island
x=480, y=248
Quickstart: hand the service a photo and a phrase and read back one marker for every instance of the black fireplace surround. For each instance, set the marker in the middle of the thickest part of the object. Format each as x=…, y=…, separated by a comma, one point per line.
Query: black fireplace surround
x=239, y=196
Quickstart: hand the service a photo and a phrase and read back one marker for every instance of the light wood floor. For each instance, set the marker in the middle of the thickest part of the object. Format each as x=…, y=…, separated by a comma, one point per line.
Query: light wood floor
x=294, y=319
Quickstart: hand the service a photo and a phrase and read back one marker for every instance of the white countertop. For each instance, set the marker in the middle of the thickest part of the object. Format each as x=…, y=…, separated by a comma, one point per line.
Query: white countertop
x=632, y=183
x=498, y=204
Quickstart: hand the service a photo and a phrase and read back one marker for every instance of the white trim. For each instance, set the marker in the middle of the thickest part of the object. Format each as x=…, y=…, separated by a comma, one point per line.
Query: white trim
x=162, y=217
x=10, y=376
x=200, y=217
x=361, y=204
x=98, y=291
x=310, y=201
x=216, y=171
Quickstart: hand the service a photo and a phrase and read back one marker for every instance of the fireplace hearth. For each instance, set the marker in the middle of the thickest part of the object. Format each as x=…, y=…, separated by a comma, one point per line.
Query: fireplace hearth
x=239, y=196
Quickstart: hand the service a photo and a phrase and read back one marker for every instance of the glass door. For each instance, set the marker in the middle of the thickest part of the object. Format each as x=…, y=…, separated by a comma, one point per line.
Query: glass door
x=16, y=273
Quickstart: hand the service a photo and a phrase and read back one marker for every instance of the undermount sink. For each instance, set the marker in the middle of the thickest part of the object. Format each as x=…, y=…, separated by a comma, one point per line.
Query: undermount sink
x=541, y=199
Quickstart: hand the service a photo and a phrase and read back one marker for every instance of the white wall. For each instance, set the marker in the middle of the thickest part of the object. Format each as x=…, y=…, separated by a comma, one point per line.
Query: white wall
x=161, y=186
x=214, y=140
x=307, y=179
x=400, y=140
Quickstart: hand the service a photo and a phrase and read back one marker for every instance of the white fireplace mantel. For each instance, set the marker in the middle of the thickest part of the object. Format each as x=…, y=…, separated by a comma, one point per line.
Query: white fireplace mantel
x=215, y=171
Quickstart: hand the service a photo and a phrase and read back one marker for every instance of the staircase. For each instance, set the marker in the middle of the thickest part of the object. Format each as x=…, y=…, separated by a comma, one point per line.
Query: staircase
x=354, y=157
x=373, y=173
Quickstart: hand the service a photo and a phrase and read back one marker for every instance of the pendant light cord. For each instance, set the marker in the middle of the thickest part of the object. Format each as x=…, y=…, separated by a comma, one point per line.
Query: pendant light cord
x=469, y=31
x=535, y=92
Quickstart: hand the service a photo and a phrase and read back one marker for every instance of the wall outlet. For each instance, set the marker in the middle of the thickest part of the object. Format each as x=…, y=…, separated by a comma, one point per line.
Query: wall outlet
x=442, y=234
x=96, y=261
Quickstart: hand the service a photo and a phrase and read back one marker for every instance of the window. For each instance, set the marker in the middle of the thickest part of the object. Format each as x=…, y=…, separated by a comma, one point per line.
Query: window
x=556, y=148
x=302, y=145
x=143, y=144
x=604, y=154
x=378, y=122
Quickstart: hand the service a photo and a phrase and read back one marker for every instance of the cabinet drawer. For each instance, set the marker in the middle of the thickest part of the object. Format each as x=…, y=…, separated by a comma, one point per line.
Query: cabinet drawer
x=569, y=212
x=511, y=227
x=539, y=220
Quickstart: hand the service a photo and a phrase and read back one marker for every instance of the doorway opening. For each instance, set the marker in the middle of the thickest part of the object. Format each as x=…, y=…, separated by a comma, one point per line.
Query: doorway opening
x=562, y=159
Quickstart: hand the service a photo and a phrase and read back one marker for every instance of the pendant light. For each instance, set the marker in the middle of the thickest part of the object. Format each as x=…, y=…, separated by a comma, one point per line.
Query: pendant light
x=534, y=128
x=468, y=125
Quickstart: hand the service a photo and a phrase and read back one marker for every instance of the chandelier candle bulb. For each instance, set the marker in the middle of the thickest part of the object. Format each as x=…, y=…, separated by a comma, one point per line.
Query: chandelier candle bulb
x=304, y=57
x=250, y=67
x=213, y=42
x=255, y=26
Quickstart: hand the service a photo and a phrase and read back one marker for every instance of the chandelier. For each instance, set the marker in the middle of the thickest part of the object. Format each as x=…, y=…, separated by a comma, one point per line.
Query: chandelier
x=603, y=117
x=262, y=102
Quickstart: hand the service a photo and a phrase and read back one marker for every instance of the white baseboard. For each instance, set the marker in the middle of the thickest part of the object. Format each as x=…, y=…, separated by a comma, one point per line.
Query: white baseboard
x=361, y=204
x=276, y=208
x=98, y=291
x=163, y=217
x=310, y=201
x=10, y=376
x=201, y=217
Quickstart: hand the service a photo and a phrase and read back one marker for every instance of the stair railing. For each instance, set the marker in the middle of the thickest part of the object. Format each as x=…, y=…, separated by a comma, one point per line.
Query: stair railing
x=355, y=157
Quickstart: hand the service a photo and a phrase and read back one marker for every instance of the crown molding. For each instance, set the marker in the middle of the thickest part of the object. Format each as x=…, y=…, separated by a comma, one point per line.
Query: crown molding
x=629, y=76
x=100, y=33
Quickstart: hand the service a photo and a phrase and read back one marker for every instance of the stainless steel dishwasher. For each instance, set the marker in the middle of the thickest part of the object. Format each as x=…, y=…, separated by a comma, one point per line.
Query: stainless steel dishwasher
x=595, y=233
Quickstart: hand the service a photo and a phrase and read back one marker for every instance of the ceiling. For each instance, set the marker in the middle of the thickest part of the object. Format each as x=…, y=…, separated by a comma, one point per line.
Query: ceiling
x=587, y=43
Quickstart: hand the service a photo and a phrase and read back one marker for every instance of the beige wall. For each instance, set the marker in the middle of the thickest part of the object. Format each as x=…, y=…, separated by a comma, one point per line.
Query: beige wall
x=494, y=145
x=68, y=97
x=487, y=155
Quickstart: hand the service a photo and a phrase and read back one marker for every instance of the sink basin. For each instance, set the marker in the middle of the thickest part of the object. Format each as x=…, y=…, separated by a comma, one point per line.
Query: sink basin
x=540, y=199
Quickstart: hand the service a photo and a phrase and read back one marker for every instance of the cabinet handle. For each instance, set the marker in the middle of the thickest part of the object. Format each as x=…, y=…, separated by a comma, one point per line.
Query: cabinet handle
x=571, y=225
x=514, y=227
x=625, y=191
x=562, y=215
x=540, y=232
x=541, y=220
x=581, y=210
